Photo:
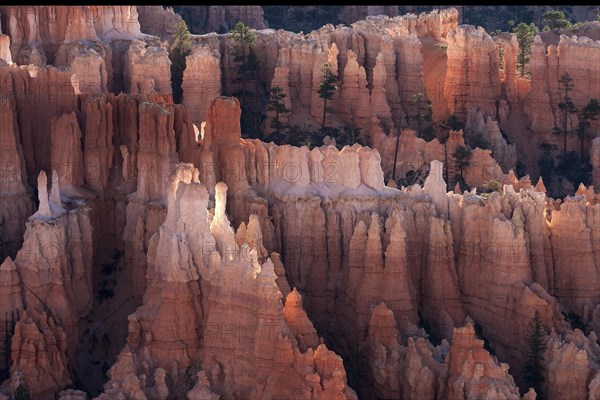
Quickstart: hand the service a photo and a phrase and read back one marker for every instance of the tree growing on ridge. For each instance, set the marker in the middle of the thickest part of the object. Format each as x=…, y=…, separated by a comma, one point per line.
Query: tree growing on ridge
x=533, y=369
x=9, y=331
x=277, y=104
x=247, y=62
x=180, y=49
x=462, y=158
x=588, y=113
x=327, y=88
x=555, y=20
x=565, y=85
x=525, y=35
x=422, y=114
x=243, y=53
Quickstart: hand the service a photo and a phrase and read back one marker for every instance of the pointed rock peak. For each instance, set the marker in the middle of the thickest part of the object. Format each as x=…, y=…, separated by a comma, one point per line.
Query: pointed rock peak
x=332, y=57
x=241, y=232
x=508, y=189
x=44, y=208
x=8, y=265
x=518, y=216
x=457, y=188
x=220, y=201
x=382, y=310
x=435, y=179
x=511, y=177
x=375, y=225
x=293, y=298
x=397, y=234
x=268, y=269
x=469, y=321
x=254, y=224
x=351, y=55
x=55, y=188
x=360, y=229
x=540, y=187
x=581, y=190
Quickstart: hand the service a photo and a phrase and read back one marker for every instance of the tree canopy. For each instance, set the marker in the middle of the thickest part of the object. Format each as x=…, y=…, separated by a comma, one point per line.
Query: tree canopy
x=327, y=88
x=180, y=49
x=555, y=20
x=533, y=369
x=525, y=35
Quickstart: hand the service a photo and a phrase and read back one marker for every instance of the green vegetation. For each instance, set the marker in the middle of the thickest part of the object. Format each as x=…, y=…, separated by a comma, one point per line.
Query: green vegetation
x=277, y=104
x=245, y=57
x=493, y=185
x=454, y=123
x=422, y=113
x=108, y=283
x=451, y=122
x=546, y=163
x=21, y=393
x=180, y=49
x=327, y=88
x=565, y=85
x=296, y=135
x=576, y=172
x=533, y=369
x=478, y=140
x=9, y=331
x=555, y=20
x=588, y=113
x=525, y=35
x=462, y=158
x=442, y=46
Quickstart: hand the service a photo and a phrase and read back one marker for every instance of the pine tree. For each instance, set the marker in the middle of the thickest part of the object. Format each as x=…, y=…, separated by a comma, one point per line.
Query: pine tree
x=9, y=331
x=555, y=20
x=462, y=158
x=243, y=51
x=327, y=88
x=525, y=35
x=180, y=49
x=588, y=113
x=244, y=55
x=565, y=85
x=277, y=104
x=422, y=113
x=21, y=393
x=533, y=368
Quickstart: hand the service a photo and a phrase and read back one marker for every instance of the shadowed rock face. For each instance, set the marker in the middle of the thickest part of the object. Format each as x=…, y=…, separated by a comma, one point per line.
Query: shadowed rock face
x=193, y=263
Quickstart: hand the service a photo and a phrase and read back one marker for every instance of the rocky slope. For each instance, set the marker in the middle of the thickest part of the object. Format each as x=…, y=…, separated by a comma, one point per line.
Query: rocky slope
x=151, y=252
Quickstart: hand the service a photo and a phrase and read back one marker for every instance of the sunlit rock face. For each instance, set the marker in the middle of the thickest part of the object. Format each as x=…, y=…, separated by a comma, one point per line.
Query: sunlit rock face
x=150, y=250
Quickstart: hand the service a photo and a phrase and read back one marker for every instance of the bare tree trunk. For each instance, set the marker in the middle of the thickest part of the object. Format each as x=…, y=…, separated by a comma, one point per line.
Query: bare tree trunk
x=324, y=113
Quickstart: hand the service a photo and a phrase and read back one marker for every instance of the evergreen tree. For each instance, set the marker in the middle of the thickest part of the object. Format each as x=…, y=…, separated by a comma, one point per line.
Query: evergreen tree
x=243, y=52
x=565, y=85
x=462, y=158
x=21, y=393
x=327, y=88
x=588, y=113
x=555, y=20
x=422, y=113
x=277, y=104
x=525, y=35
x=180, y=49
x=244, y=55
x=451, y=122
x=533, y=368
x=9, y=331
